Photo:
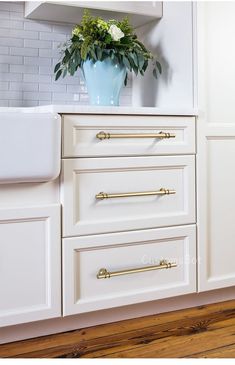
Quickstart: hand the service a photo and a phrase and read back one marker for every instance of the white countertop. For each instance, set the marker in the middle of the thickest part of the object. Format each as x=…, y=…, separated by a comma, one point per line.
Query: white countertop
x=88, y=109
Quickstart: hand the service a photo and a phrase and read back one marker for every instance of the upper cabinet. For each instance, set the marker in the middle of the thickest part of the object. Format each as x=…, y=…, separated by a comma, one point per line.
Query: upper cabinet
x=139, y=12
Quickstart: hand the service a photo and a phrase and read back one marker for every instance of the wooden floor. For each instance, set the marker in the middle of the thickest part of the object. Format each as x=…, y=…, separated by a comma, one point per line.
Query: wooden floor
x=201, y=332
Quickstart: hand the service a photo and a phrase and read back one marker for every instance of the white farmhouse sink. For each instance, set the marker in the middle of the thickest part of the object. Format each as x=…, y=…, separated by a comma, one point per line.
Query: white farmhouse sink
x=29, y=146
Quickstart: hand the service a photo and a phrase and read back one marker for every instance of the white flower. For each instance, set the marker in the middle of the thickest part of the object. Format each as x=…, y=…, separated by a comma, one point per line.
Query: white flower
x=115, y=32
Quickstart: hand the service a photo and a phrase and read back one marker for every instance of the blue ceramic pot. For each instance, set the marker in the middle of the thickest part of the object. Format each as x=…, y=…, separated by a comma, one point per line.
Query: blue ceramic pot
x=104, y=80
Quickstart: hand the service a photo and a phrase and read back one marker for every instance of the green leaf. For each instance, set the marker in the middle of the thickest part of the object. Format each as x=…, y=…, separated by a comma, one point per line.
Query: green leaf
x=99, y=53
x=72, y=68
x=108, y=39
x=141, y=46
x=135, y=69
x=159, y=67
x=105, y=54
x=145, y=65
x=58, y=75
x=57, y=66
x=135, y=59
x=141, y=60
x=126, y=40
x=125, y=81
x=85, y=47
x=155, y=73
x=133, y=65
x=66, y=57
x=130, y=59
x=93, y=54
x=127, y=63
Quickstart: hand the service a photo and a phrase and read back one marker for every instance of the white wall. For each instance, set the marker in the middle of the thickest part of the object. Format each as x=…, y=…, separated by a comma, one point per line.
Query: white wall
x=171, y=38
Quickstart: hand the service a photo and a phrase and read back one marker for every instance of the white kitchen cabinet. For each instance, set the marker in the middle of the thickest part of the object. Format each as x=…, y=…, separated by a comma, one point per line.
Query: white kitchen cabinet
x=139, y=12
x=216, y=146
x=128, y=202
x=30, y=272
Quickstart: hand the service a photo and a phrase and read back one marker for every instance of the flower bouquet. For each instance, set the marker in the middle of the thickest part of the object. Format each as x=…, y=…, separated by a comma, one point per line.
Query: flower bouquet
x=105, y=51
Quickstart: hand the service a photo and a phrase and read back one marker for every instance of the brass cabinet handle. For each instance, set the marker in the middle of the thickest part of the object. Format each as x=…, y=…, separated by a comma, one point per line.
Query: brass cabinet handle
x=161, y=135
x=164, y=264
x=162, y=191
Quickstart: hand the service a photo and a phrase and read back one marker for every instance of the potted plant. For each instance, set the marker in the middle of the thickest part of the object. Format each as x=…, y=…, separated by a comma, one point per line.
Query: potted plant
x=105, y=51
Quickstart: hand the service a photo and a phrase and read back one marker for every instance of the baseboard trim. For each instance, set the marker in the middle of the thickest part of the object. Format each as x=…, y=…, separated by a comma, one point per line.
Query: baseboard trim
x=58, y=325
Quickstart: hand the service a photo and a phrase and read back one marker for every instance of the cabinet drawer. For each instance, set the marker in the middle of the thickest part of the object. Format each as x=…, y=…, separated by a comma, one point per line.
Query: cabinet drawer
x=85, y=212
x=137, y=135
x=83, y=258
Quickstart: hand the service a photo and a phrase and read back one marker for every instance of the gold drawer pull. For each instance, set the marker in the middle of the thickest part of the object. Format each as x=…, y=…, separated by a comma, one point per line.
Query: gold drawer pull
x=164, y=264
x=162, y=191
x=161, y=135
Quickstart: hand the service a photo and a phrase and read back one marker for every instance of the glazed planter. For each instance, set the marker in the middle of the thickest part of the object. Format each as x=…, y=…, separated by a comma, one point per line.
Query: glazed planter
x=104, y=81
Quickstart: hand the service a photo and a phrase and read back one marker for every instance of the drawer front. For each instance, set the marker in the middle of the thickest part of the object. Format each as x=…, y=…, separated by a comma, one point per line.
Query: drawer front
x=85, y=212
x=83, y=258
x=145, y=135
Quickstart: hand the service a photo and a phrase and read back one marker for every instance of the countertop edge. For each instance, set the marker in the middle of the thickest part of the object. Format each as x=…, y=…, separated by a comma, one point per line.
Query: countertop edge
x=87, y=109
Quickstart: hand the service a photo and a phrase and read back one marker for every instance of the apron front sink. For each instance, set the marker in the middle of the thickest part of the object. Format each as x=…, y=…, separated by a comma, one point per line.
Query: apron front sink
x=30, y=145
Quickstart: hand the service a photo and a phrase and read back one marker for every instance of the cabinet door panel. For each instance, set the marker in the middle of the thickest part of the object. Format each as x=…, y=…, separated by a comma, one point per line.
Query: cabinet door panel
x=216, y=212
x=216, y=147
x=29, y=264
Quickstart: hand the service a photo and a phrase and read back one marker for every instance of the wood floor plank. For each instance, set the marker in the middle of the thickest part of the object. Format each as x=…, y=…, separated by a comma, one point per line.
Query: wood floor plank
x=205, y=330
x=173, y=347
x=178, y=344
x=221, y=352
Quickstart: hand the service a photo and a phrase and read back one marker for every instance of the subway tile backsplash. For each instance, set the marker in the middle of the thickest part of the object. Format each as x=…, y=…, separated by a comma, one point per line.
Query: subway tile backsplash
x=28, y=53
